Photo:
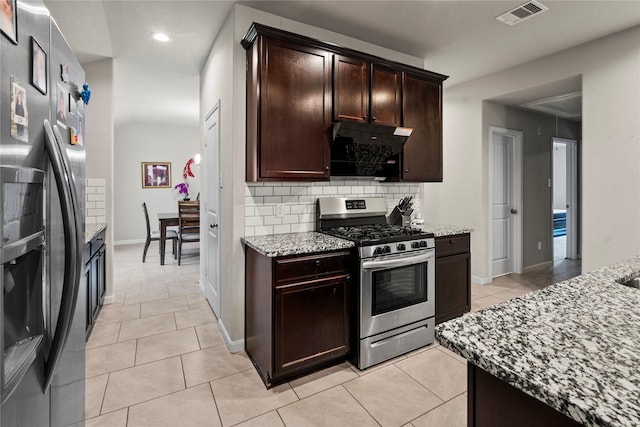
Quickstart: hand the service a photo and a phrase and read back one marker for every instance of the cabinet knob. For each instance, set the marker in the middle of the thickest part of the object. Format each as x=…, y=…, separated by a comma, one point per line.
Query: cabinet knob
x=365, y=117
x=317, y=263
x=406, y=170
x=326, y=168
x=373, y=118
x=452, y=242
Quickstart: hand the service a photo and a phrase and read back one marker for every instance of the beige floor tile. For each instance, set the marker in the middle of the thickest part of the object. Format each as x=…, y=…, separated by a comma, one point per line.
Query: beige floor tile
x=243, y=396
x=391, y=396
x=485, y=302
x=333, y=407
x=190, y=407
x=142, y=383
x=270, y=419
x=422, y=349
x=127, y=286
x=322, y=380
x=163, y=306
x=213, y=363
x=479, y=291
x=185, y=289
x=103, y=334
x=194, y=317
x=146, y=296
x=166, y=345
x=118, y=313
x=452, y=354
x=441, y=374
x=209, y=335
x=109, y=358
x=196, y=300
x=113, y=419
x=377, y=367
x=94, y=393
x=450, y=414
x=147, y=326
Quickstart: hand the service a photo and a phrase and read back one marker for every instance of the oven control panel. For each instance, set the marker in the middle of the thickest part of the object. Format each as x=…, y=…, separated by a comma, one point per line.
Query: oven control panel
x=396, y=248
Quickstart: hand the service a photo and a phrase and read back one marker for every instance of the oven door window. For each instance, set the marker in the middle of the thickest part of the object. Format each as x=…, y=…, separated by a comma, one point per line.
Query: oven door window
x=396, y=288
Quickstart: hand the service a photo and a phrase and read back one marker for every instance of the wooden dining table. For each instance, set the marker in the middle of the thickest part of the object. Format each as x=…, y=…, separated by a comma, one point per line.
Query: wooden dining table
x=166, y=219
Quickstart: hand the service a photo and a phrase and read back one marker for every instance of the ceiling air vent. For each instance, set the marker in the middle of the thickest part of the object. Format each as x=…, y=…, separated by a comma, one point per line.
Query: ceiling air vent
x=522, y=12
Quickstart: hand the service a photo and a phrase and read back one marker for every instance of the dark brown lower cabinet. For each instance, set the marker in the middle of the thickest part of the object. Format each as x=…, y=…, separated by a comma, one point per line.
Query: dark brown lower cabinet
x=297, y=313
x=494, y=403
x=453, y=276
x=95, y=273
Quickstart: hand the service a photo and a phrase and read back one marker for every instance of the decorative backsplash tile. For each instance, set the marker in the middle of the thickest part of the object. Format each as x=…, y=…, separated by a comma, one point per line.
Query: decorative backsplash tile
x=95, y=211
x=283, y=207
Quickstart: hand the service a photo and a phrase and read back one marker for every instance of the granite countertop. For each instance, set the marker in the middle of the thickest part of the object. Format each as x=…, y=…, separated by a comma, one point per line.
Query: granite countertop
x=440, y=230
x=92, y=229
x=274, y=245
x=574, y=345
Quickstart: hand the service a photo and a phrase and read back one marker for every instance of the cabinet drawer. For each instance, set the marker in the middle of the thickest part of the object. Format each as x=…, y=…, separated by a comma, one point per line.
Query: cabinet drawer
x=305, y=267
x=449, y=245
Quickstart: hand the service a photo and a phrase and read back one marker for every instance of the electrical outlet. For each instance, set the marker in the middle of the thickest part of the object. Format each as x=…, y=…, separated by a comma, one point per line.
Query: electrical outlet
x=539, y=246
x=279, y=210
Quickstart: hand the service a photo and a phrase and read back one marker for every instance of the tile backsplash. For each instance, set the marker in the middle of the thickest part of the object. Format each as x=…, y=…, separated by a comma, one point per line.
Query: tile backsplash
x=283, y=207
x=95, y=211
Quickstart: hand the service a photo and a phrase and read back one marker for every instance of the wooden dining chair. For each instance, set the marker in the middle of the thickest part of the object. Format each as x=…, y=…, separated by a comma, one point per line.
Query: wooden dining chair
x=188, y=224
x=153, y=236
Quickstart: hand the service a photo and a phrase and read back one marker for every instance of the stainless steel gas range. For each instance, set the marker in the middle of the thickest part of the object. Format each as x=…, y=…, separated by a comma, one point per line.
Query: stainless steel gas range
x=396, y=293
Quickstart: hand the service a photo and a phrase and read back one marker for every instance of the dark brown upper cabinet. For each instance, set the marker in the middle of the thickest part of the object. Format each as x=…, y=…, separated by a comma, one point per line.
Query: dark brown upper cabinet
x=366, y=92
x=421, y=159
x=295, y=89
x=288, y=111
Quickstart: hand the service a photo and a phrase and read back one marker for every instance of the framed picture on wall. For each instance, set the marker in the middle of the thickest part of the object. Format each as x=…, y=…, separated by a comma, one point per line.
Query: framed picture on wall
x=9, y=19
x=156, y=175
x=38, y=66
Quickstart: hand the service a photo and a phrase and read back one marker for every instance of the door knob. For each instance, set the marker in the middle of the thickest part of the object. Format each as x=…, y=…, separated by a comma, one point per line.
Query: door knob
x=514, y=211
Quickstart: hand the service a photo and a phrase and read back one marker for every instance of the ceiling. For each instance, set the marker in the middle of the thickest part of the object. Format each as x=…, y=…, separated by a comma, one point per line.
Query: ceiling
x=449, y=35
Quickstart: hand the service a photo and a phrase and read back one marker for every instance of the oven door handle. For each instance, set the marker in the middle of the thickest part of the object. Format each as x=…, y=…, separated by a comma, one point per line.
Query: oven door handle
x=377, y=264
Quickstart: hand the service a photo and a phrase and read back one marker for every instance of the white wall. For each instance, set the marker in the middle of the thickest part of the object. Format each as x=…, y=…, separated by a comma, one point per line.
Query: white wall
x=611, y=147
x=164, y=130
x=99, y=146
x=223, y=77
x=148, y=142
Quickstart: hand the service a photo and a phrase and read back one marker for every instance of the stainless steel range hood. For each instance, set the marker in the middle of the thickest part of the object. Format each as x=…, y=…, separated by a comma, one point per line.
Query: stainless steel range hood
x=367, y=149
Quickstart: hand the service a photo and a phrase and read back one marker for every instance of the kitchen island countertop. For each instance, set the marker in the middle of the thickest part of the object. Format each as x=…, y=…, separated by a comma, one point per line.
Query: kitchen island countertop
x=91, y=230
x=574, y=345
x=274, y=245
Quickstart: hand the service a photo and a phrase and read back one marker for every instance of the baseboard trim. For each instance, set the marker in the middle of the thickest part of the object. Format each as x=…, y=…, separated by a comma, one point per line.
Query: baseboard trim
x=481, y=280
x=545, y=264
x=129, y=242
x=232, y=346
x=109, y=299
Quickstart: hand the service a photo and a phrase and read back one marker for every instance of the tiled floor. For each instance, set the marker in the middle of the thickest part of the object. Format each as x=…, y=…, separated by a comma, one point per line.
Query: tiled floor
x=156, y=358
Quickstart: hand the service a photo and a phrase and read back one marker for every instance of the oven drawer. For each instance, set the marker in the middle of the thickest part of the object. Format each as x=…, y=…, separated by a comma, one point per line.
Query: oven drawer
x=449, y=245
x=311, y=266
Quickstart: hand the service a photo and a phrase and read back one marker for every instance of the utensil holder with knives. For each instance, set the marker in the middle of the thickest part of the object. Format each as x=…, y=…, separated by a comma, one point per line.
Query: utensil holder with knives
x=399, y=217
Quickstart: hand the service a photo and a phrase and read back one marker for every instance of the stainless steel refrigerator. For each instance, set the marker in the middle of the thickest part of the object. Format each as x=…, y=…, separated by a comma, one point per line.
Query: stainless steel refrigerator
x=42, y=229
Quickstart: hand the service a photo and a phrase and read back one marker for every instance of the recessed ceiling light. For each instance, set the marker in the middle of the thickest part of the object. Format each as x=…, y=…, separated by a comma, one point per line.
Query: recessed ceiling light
x=161, y=37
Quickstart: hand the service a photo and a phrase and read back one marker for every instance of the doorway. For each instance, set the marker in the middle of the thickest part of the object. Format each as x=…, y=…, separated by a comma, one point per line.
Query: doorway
x=505, y=201
x=212, y=152
x=565, y=199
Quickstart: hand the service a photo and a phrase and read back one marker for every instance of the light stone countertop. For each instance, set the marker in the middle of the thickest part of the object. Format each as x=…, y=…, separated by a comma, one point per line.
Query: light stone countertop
x=274, y=245
x=574, y=345
x=440, y=230
x=91, y=230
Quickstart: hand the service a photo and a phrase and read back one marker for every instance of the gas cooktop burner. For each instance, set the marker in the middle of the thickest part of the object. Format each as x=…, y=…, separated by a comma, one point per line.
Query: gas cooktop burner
x=376, y=232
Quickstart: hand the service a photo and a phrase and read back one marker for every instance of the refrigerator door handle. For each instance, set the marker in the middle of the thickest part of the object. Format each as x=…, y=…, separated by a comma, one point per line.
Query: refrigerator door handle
x=72, y=228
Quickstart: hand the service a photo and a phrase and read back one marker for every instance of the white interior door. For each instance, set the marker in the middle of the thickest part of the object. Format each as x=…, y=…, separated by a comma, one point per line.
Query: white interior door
x=506, y=195
x=212, y=150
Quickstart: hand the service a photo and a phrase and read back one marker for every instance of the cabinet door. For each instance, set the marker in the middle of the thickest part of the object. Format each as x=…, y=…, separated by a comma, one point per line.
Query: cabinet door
x=311, y=323
x=89, y=311
x=102, y=271
x=295, y=111
x=422, y=111
x=350, y=89
x=453, y=286
x=386, y=98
